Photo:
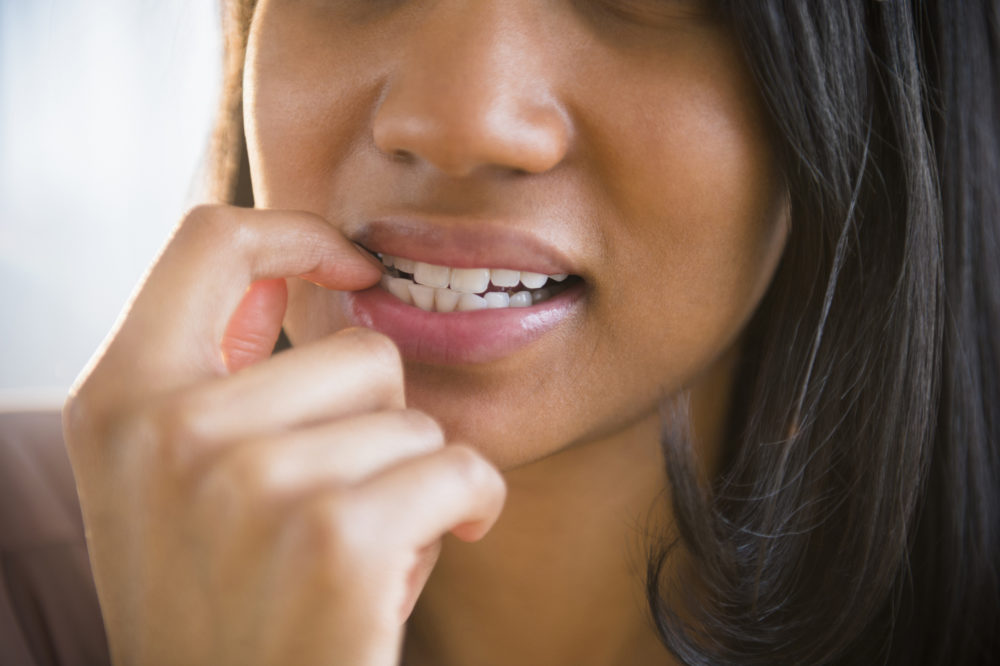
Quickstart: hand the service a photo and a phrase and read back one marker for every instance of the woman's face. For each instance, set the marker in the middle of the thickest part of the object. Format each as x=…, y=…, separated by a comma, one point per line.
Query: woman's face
x=619, y=141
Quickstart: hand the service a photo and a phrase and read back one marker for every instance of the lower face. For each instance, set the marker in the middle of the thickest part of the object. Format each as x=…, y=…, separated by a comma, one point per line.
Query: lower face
x=618, y=141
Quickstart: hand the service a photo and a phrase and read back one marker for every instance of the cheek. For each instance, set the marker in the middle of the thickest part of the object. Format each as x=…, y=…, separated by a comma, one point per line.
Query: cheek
x=702, y=222
x=305, y=107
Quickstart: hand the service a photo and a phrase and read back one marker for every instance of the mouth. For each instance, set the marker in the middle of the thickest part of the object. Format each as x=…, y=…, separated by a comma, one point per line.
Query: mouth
x=455, y=293
x=444, y=289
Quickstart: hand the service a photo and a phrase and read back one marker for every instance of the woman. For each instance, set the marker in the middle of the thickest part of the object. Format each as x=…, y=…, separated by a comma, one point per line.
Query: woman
x=538, y=263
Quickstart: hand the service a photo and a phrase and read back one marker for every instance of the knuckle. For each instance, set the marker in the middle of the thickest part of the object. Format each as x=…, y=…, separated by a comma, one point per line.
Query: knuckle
x=382, y=360
x=377, y=348
x=333, y=525
x=81, y=420
x=238, y=482
x=473, y=470
x=248, y=471
x=421, y=426
x=202, y=214
x=468, y=465
x=179, y=419
x=171, y=432
x=213, y=220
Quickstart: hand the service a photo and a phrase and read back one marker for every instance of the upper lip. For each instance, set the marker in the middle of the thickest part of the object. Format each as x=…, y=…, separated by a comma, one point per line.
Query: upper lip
x=462, y=243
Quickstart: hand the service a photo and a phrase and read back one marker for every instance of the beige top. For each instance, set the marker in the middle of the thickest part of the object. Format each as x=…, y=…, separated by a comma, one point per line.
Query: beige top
x=48, y=606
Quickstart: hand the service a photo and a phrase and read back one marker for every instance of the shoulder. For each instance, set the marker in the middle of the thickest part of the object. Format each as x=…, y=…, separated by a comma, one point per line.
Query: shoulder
x=48, y=606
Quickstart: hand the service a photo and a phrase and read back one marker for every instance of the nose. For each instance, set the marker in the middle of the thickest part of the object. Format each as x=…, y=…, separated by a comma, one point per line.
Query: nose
x=472, y=87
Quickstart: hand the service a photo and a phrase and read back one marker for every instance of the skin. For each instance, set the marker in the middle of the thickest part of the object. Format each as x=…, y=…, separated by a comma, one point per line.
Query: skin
x=291, y=508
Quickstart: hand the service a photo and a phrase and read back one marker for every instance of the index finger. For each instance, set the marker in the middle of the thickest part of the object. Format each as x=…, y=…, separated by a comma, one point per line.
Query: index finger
x=171, y=332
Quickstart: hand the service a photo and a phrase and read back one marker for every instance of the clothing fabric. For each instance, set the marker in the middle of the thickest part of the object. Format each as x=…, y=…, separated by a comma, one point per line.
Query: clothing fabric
x=49, y=614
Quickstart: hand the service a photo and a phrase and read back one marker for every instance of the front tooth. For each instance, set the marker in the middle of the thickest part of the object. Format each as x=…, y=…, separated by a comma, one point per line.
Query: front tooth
x=445, y=300
x=521, y=299
x=559, y=277
x=470, y=280
x=405, y=265
x=400, y=288
x=423, y=297
x=502, y=277
x=497, y=299
x=470, y=302
x=431, y=275
x=533, y=280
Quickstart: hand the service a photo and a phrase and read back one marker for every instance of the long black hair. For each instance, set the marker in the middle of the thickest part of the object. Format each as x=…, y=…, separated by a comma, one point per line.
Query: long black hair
x=857, y=516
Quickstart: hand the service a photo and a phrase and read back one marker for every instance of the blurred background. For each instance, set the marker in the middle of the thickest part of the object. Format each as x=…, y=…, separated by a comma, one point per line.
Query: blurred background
x=106, y=108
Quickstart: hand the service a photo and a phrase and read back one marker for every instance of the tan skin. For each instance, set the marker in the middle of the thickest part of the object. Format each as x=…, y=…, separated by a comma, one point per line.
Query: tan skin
x=289, y=512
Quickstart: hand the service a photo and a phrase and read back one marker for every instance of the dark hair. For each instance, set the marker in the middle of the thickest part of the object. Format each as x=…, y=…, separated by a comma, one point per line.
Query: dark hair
x=857, y=516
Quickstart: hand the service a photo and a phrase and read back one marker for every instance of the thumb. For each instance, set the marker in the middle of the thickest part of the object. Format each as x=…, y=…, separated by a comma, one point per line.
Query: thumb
x=255, y=325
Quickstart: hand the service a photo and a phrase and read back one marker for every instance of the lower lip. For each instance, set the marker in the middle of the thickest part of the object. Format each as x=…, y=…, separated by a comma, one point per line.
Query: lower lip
x=480, y=336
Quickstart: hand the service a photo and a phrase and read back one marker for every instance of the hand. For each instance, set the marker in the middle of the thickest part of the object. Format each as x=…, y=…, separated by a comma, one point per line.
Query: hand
x=287, y=513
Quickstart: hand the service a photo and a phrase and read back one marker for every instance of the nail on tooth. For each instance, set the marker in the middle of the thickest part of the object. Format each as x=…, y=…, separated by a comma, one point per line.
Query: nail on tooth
x=497, y=299
x=405, y=265
x=386, y=260
x=502, y=277
x=446, y=300
x=431, y=275
x=469, y=302
x=533, y=280
x=470, y=280
x=521, y=299
x=423, y=297
x=400, y=288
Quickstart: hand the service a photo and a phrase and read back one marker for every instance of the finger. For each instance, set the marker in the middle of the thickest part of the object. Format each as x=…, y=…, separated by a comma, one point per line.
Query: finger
x=417, y=501
x=354, y=371
x=341, y=453
x=255, y=325
x=180, y=313
x=417, y=578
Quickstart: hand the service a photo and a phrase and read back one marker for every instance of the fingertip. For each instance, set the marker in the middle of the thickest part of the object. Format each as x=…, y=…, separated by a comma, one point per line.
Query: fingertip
x=473, y=531
x=255, y=326
x=493, y=496
x=341, y=271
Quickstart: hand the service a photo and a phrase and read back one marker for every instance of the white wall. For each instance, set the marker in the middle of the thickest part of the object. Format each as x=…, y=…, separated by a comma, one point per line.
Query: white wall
x=105, y=113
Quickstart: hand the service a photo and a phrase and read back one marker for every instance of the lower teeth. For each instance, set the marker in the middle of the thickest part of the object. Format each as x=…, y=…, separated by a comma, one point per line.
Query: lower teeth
x=443, y=299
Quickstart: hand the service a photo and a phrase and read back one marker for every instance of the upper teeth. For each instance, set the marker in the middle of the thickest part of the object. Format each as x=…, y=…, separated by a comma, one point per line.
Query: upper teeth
x=468, y=280
x=445, y=289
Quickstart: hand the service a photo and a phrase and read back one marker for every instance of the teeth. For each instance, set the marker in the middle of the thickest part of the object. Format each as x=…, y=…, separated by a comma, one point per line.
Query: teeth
x=469, y=302
x=521, y=299
x=470, y=280
x=533, y=280
x=497, y=299
x=423, y=297
x=502, y=277
x=399, y=287
x=431, y=275
x=446, y=300
x=443, y=289
x=405, y=265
